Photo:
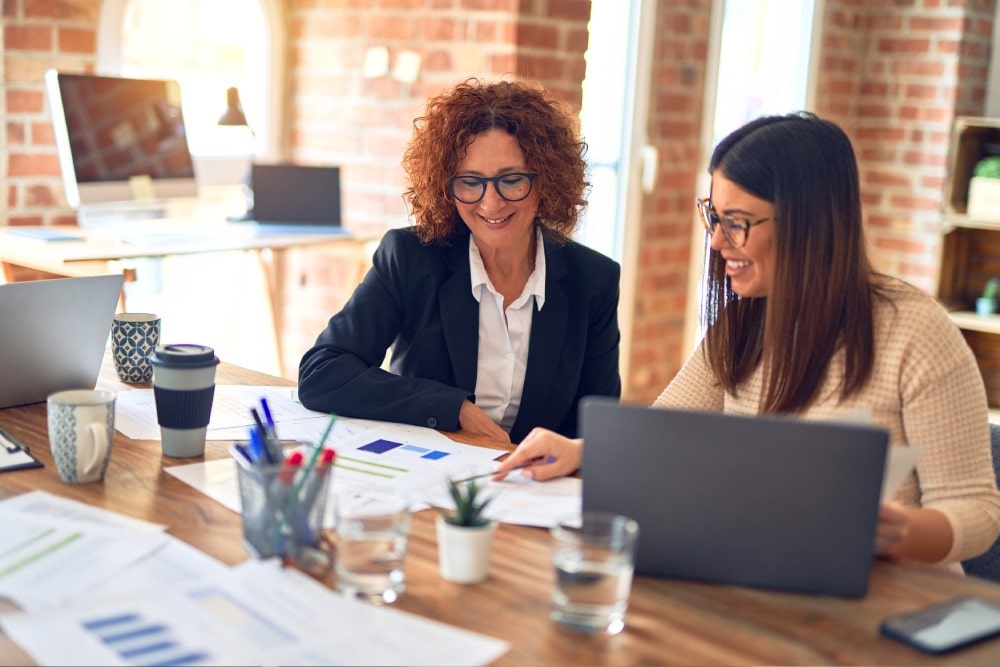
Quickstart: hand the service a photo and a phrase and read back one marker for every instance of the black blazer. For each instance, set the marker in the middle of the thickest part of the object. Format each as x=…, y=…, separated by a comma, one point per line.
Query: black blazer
x=418, y=299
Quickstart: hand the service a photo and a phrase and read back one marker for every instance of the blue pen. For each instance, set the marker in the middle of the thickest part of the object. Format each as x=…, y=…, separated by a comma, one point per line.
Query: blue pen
x=269, y=435
x=258, y=452
x=267, y=414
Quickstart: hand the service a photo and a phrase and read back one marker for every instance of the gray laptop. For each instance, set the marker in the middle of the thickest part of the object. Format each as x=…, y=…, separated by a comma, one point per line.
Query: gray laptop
x=291, y=196
x=765, y=502
x=53, y=335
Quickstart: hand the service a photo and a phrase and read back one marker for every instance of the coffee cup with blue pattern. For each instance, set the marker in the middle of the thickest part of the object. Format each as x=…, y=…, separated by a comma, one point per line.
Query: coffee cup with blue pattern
x=134, y=336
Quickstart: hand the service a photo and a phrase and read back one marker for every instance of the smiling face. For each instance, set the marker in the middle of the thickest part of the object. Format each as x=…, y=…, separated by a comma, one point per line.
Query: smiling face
x=750, y=268
x=498, y=226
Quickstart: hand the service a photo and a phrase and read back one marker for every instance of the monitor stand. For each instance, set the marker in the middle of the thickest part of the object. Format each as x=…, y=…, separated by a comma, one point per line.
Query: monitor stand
x=114, y=215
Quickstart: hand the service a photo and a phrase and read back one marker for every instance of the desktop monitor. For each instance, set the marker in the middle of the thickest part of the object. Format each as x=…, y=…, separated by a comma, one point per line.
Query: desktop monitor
x=119, y=139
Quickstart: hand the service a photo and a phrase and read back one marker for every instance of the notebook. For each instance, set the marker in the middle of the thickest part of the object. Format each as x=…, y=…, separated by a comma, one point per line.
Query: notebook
x=293, y=196
x=53, y=335
x=765, y=502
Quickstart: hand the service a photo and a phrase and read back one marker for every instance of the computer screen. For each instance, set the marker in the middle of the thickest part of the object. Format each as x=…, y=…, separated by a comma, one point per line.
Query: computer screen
x=119, y=139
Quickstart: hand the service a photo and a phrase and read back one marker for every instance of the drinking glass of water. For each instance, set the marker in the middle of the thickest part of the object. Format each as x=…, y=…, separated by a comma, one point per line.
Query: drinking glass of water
x=372, y=530
x=594, y=557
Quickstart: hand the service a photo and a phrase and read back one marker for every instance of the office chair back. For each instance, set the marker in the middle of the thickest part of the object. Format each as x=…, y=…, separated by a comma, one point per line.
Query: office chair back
x=987, y=565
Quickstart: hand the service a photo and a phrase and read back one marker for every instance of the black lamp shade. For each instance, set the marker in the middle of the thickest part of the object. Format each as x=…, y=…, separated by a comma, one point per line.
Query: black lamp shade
x=234, y=109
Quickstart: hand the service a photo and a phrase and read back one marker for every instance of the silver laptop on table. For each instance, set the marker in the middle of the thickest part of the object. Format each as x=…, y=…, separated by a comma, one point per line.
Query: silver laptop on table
x=53, y=335
x=766, y=502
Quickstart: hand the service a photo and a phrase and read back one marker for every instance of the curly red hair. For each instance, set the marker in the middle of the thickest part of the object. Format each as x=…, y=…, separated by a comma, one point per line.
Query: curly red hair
x=545, y=129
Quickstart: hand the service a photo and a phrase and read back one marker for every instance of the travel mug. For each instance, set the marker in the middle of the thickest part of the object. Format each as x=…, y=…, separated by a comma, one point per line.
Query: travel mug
x=183, y=387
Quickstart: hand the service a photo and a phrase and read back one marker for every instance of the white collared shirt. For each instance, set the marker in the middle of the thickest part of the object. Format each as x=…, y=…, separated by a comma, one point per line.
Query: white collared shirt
x=504, y=337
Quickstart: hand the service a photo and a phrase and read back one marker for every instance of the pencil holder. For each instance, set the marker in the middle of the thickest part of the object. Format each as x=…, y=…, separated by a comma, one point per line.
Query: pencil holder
x=282, y=510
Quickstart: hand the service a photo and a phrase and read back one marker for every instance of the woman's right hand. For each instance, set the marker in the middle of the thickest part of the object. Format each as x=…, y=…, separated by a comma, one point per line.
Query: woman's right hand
x=556, y=454
x=473, y=420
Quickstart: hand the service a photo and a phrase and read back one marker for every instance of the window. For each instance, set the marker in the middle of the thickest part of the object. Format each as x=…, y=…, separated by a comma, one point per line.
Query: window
x=764, y=61
x=208, y=46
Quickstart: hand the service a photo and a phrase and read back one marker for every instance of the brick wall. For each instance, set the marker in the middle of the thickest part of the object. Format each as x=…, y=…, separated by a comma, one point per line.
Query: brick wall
x=675, y=120
x=39, y=35
x=895, y=75
x=363, y=124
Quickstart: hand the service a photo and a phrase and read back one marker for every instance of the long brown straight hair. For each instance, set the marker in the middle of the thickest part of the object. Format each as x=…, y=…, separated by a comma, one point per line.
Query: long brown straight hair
x=822, y=293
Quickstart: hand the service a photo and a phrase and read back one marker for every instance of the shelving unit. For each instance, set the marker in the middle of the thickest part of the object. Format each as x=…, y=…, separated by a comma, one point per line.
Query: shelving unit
x=970, y=249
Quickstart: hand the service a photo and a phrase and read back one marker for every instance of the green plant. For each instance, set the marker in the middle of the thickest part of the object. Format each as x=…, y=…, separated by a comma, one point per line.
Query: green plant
x=991, y=288
x=988, y=167
x=469, y=504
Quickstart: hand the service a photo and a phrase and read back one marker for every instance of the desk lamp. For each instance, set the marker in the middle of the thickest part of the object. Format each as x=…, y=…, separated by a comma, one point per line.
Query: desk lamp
x=235, y=117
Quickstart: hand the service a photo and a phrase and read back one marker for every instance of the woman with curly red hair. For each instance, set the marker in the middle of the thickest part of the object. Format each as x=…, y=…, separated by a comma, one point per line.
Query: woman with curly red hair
x=498, y=322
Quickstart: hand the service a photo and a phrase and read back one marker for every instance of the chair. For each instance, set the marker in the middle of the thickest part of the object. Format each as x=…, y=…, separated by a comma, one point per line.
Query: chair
x=987, y=565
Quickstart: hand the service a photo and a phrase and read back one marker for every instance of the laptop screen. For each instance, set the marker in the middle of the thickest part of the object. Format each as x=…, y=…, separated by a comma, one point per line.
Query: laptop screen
x=760, y=501
x=295, y=194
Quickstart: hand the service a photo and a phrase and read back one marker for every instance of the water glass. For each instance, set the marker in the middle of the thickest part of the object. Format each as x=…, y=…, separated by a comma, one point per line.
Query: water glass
x=594, y=558
x=372, y=530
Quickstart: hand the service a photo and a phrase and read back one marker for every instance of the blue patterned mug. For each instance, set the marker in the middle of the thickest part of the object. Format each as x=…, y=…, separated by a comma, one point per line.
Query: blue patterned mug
x=134, y=336
x=81, y=431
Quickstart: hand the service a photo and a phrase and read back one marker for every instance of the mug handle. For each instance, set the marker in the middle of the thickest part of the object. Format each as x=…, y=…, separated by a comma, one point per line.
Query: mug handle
x=99, y=434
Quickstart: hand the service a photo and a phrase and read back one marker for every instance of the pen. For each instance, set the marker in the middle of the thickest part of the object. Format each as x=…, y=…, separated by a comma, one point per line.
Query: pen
x=312, y=491
x=280, y=488
x=529, y=464
x=292, y=464
x=256, y=418
x=258, y=453
x=269, y=438
x=268, y=419
x=311, y=465
x=242, y=451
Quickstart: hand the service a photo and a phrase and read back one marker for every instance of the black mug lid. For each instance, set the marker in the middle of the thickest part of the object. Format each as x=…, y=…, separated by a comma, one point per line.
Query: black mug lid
x=184, y=355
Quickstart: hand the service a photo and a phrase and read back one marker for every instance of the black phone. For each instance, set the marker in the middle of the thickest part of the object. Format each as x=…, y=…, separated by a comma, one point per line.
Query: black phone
x=945, y=626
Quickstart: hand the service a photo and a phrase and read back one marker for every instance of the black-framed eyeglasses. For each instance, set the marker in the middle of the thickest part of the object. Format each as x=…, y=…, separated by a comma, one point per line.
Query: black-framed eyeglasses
x=510, y=187
x=736, y=230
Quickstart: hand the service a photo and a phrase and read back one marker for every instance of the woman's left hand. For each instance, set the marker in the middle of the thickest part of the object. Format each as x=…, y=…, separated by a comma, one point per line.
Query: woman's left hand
x=893, y=528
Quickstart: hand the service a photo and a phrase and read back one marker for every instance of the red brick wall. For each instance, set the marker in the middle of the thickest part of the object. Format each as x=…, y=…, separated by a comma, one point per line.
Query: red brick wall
x=39, y=35
x=675, y=120
x=364, y=124
x=895, y=75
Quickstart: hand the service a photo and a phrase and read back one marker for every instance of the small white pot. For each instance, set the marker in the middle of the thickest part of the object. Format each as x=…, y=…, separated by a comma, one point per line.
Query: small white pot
x=463, y=552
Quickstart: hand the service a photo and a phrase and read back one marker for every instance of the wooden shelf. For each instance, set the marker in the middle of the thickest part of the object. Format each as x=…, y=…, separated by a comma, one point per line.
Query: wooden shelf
x=970, y=321
x=970, y=249
x=953, y=221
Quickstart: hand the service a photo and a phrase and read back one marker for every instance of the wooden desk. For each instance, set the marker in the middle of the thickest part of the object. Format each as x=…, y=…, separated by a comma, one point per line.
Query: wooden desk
x=99, y=252
x=668, y=622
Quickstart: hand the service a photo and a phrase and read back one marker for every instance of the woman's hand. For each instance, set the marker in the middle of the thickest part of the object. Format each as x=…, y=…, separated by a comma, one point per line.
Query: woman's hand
x=557, y=456
x=912, y=533
x=893, y=528
x=472, y=419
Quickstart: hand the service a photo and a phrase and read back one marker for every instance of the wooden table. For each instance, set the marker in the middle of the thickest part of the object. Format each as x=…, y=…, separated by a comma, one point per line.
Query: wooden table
x=96, y=252
x=668, y=621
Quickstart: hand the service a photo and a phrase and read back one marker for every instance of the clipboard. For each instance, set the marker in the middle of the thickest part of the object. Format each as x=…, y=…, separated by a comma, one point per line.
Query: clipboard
x=14, y=455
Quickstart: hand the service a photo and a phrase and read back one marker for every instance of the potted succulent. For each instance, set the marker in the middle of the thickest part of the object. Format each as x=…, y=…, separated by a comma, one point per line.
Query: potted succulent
x=986, y=304
x=465, y=535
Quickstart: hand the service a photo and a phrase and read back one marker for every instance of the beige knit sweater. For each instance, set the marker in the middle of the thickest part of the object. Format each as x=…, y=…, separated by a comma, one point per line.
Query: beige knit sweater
x=925, y=389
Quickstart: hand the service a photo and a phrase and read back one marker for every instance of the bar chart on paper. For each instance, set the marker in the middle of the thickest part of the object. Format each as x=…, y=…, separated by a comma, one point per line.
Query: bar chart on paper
x=404, y=458
x=140, y=641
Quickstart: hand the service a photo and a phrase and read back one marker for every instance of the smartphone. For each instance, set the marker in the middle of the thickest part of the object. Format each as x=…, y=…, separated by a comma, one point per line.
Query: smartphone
x=946, y=626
